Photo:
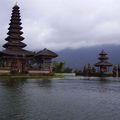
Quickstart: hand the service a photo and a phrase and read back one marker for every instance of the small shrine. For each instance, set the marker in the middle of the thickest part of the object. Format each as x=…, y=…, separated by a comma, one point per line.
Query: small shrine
x=44, y=59
x=103, y=63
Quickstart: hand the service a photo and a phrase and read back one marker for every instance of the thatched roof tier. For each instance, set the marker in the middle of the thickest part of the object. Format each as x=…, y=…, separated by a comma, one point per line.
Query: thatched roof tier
x=103, y=58
x=17, y=52
x=15, y=14
x=103, y=64
x=15, y=26
x=15, y=19
x=14, y=44
x=46, y=53
x=14, y=31
x=102, y=53
x=11, y=37
x=15, y=22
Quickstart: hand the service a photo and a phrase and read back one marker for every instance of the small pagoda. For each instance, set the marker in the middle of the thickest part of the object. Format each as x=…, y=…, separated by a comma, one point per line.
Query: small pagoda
x=103, y=63
x=14, y=56
x=44, y=58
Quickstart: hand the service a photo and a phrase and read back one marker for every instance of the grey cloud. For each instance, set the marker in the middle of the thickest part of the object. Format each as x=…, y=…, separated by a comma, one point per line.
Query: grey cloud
x=60, y=24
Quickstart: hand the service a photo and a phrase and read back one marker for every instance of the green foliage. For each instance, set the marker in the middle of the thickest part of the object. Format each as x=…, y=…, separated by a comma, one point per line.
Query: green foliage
x=59, y=67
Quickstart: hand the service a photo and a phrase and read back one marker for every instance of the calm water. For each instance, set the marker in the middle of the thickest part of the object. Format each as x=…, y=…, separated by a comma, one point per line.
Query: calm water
x=73, y=98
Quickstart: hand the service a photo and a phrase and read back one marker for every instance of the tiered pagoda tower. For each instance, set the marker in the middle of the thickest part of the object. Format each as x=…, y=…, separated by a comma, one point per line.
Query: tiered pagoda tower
x=14, y=55
x=103, y=64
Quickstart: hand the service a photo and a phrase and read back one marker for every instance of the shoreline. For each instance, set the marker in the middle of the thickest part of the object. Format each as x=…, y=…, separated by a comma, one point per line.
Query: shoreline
x=54, y=76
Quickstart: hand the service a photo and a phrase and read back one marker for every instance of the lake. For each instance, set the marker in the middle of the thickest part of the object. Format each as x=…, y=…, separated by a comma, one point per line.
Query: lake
x=71, y=98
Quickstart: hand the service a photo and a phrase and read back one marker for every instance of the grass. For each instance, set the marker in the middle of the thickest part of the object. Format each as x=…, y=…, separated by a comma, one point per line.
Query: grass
x=30, y=76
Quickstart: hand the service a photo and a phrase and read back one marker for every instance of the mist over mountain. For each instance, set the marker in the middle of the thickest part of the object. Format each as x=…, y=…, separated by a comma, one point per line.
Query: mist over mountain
x=79, y=57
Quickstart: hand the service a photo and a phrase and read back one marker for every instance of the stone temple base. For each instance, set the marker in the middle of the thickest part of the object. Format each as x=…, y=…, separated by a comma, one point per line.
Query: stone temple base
x=39, y=72
x=29, y=72
x=4, y=72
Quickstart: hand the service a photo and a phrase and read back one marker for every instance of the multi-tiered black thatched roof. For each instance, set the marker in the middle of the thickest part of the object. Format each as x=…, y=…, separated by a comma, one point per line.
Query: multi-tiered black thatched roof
x=103, y=59
x=14, y=45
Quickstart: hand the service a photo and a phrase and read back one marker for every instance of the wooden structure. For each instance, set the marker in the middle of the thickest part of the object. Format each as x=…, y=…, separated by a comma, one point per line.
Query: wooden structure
x=44, y=59
x=103, y=64
x=15, y=59
x=14, y=56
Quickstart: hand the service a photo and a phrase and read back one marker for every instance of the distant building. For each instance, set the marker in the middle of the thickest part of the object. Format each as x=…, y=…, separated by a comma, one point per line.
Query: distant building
x=103, y=63
x=14, y=58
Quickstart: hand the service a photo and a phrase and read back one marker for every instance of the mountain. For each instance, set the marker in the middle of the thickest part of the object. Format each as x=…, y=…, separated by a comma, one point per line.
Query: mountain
x=79, y=57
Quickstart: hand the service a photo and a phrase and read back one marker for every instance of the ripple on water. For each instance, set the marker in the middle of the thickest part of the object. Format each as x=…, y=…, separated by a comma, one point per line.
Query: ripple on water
x=72, y=98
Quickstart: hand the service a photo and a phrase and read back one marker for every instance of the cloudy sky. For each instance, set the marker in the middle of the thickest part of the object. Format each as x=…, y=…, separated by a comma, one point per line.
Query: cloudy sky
x=60, y=24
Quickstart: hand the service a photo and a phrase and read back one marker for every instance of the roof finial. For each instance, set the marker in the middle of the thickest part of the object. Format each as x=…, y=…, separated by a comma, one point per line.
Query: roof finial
x=103, y=50
x=16, y=2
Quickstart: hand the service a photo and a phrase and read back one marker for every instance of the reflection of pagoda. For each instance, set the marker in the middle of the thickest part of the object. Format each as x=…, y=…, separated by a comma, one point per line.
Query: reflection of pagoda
x=103, y=64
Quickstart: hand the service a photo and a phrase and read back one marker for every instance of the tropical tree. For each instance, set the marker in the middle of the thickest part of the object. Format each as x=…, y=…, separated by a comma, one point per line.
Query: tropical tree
x=58, y=67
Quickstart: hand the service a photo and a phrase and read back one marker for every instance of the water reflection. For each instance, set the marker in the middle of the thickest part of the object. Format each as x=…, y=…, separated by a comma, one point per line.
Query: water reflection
x=104, y=80
x=14, y=82
x=13, y=99
x=26, y=99
x=45, y=83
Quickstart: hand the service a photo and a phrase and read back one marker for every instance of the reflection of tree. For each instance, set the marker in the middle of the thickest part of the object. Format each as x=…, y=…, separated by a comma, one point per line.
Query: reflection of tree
x=103, y=79
x=13, y=100
x=14, y=82
x=104, y=84
x=45, y=83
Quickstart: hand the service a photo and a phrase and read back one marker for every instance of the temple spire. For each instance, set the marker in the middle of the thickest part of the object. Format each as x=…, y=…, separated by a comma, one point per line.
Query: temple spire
x=14, y=45
x=15, y=34
x=16, y=2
